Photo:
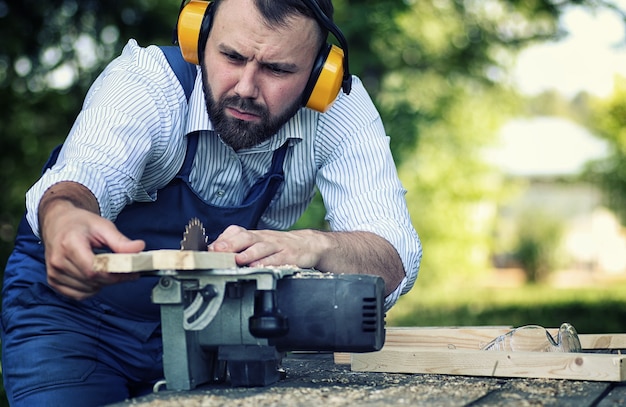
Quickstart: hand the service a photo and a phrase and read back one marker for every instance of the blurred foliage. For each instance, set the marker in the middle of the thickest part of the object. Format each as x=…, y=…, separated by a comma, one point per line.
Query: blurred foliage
x=609, y=122
x=437, y=70
x=591, y=309
x=552, y=103
x=50, y=52
x=538, y=239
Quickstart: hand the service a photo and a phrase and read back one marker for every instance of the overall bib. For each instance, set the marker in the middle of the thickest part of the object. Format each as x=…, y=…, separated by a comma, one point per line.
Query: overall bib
x=58, y=351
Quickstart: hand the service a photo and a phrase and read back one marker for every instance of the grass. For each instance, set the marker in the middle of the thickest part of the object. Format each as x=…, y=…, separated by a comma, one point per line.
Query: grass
x=600, y=308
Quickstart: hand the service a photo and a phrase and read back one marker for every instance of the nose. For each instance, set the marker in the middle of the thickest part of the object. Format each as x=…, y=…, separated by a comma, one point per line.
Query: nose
x=247, y=87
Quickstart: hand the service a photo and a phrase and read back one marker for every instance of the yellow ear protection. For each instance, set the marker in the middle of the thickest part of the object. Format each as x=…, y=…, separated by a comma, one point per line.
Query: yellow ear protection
x=330, y=71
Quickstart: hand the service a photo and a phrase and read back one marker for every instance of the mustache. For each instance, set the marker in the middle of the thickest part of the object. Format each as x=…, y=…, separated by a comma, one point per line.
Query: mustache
x=246, y=105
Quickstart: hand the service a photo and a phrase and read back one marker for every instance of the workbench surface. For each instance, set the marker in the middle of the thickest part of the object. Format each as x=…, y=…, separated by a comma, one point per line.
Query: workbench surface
x=315, y=380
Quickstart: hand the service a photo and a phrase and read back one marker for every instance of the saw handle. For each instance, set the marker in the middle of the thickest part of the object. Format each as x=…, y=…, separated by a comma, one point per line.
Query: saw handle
x=267, y=322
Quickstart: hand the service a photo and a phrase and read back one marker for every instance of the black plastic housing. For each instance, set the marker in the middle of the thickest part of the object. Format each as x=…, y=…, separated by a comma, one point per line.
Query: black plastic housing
x=334, y=312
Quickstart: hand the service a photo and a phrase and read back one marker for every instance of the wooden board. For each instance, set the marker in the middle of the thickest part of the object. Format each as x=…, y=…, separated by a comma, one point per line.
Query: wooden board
x=456, y=351
x=474, y=338
x=546, y=365
x=444, y=337
x=162, y=260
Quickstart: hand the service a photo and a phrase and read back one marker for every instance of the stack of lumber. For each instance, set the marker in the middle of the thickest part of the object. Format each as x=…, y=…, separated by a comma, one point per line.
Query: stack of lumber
x=457, y=351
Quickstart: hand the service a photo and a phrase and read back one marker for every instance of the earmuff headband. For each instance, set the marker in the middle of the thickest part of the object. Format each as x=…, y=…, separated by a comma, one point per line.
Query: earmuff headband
x=330, y=71
x=323, y=19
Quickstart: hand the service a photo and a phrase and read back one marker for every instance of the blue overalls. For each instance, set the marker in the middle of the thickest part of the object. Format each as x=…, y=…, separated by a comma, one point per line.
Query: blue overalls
x=60, y=352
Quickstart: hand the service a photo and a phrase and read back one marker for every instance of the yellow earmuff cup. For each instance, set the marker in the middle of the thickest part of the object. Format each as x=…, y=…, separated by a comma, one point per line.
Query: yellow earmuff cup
x=329, y=82
x=189, y=25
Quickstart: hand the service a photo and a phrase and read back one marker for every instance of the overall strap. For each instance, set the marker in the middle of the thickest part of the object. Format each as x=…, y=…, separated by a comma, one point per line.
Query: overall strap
x=185, y=71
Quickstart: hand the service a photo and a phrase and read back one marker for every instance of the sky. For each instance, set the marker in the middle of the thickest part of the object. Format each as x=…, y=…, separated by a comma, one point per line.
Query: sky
x=588, y=60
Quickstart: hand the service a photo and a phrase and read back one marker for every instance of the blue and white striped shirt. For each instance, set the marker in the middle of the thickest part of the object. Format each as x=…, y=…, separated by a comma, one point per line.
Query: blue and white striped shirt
x=129, y=141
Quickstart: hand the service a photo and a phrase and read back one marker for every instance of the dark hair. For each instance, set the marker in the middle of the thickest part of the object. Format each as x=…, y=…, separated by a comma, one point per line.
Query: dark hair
x=277, y=12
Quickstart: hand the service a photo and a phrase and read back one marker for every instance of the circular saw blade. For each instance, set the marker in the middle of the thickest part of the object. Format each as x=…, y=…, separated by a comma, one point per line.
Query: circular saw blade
x=194, y=236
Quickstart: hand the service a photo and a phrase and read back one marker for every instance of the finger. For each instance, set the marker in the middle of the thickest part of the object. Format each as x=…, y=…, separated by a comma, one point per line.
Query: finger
x=231, y=231
x=70, y=267
x=71, y=292
x=74, y=283
x=233, y=239
x=106, y=234
x=278, y=249
x=262, y=253
x=65, y=282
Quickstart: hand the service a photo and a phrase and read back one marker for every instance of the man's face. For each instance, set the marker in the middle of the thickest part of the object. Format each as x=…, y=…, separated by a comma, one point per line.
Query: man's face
x=254, y=75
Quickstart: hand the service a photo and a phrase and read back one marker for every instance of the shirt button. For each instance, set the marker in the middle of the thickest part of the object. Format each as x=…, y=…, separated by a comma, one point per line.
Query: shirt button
x=220, y=193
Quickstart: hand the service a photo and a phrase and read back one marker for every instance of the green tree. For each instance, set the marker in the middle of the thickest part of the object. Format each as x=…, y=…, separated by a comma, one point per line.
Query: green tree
x=538, y=238
x=610, y=123
x=443, y=94
x=50, y=52
x=436, y=70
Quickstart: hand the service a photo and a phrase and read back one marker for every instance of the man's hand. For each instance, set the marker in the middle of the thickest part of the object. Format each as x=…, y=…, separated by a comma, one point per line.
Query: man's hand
x=270, y=248
x=335, y=252
x=70, y=228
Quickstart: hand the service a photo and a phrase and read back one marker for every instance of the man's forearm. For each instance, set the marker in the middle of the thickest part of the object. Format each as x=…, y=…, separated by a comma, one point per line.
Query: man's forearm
x=67, y=191
x=361, y=253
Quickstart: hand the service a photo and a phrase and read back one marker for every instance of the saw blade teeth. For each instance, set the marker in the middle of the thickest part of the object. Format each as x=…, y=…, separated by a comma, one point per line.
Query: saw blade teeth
x=194, y=237
x=198, y=223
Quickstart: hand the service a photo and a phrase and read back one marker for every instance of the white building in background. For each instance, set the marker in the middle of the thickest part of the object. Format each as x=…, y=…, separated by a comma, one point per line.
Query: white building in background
x=545, y=155
x=596, y=240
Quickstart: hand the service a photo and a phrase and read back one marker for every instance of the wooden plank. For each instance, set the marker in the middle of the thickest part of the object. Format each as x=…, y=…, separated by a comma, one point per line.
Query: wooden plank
x=191, y=260
x=342, y=358
x=122, y=262
x=162, y=260
x=444, y=337
x=457, y=351
x=548, y=365
x=603, y=341
x=474, y=338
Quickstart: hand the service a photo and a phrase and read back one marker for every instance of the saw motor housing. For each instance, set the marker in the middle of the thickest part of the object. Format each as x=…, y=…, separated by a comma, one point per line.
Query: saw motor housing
x=236, y=324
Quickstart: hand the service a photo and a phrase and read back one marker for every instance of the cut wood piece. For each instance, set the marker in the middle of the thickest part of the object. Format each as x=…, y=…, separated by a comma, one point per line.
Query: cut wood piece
x=342, y=358
x=548, y=365
x=191, y=260
x=162, y=260
x=122, y=262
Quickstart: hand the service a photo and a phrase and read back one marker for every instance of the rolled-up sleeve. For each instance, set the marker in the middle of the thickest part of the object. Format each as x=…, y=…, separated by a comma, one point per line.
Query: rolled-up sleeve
x=359, y=182
x=121, y=146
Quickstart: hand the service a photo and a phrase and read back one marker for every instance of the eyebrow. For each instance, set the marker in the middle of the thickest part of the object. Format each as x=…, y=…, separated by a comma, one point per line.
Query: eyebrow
x=285, y=66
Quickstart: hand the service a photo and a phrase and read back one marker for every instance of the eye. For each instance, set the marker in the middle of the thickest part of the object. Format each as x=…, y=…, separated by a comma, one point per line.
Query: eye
x=277, y=69
x=233, y=57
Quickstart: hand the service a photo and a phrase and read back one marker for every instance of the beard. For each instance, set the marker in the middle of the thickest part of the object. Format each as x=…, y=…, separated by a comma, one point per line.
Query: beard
x=241, y=134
